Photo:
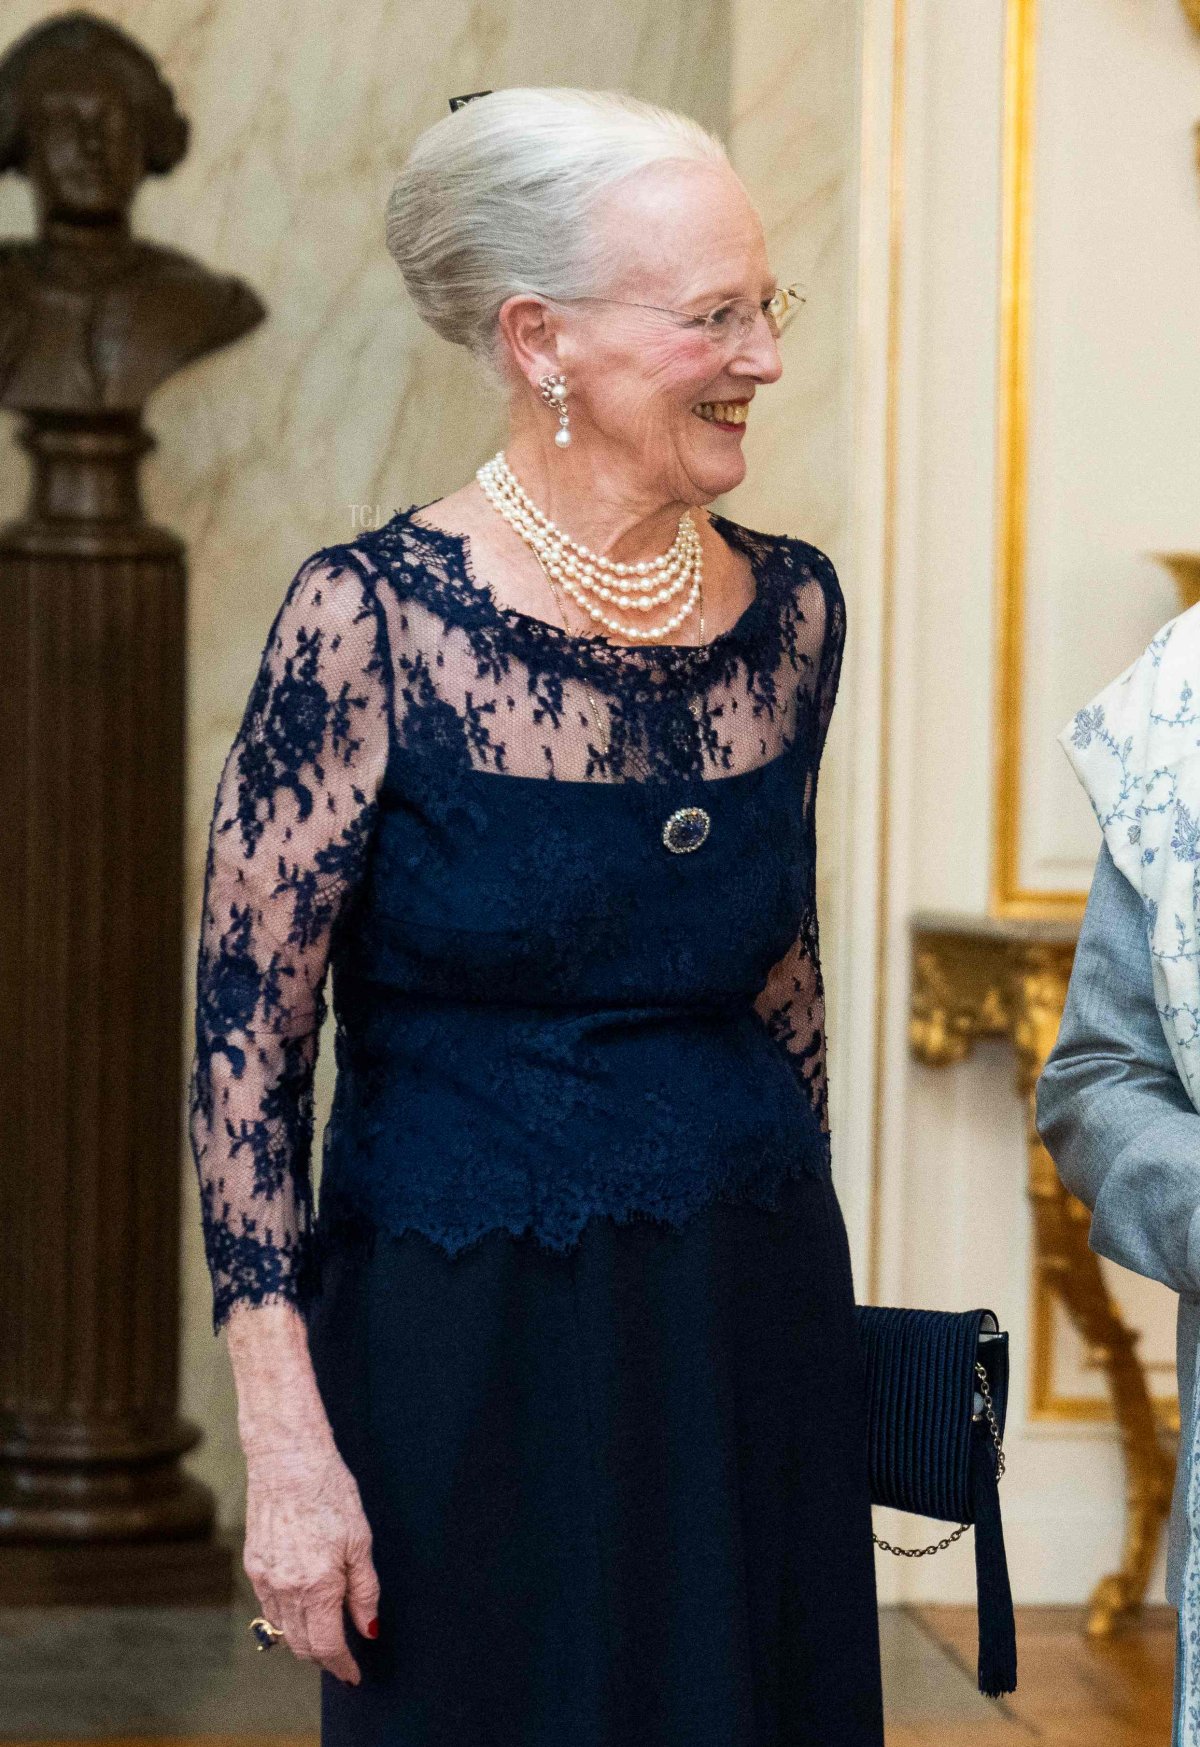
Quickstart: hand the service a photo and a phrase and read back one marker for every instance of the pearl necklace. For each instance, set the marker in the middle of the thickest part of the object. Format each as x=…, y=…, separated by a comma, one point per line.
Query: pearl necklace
x=583, y=573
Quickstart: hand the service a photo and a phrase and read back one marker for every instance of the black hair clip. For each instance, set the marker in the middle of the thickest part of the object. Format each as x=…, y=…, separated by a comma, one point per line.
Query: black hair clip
x=457, y=102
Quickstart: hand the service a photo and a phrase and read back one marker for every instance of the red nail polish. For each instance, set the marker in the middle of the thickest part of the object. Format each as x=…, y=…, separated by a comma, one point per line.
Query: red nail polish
x=373, y=1629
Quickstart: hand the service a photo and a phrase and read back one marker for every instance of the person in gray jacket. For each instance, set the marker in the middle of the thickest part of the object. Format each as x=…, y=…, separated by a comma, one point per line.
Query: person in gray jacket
x=1124, y=1135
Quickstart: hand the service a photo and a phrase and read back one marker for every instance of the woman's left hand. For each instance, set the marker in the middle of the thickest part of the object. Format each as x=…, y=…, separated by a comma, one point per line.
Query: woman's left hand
x=308, y=1552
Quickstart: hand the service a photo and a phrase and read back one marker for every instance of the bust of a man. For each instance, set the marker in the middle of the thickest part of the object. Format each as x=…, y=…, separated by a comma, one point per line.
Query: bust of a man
x=91, y=318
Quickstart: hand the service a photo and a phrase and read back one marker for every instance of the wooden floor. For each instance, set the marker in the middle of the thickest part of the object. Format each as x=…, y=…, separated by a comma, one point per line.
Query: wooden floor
x=1073, y=1692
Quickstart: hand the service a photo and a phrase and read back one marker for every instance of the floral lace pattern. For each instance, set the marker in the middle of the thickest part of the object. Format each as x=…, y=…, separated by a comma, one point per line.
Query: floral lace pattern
x=409, y=799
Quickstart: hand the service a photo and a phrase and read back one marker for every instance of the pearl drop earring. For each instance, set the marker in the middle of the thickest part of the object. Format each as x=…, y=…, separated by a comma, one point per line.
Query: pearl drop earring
x=554, y=393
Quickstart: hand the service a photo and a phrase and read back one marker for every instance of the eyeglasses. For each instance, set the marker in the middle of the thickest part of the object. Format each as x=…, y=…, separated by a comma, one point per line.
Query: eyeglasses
x=730, y=323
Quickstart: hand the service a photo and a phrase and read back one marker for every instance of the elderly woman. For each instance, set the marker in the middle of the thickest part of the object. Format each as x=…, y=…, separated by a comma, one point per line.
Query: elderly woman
x=1117, y=1104
x=553, y=1417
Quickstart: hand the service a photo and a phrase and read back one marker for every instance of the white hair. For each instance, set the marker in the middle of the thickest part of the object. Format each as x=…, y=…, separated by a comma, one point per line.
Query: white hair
x=495, y=198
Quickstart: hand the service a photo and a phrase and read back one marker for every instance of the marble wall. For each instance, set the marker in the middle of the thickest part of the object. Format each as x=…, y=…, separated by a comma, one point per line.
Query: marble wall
x=795, y=140
x=341, y=406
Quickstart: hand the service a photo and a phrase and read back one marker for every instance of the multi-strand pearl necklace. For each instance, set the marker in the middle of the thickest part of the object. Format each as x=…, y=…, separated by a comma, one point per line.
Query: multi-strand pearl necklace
x=584, y=574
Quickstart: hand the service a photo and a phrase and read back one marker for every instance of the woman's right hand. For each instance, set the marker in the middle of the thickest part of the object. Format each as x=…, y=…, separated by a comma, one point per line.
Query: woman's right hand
x=308, y=1551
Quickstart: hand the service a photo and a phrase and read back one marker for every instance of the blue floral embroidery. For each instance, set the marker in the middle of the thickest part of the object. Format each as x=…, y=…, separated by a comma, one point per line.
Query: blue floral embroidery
x=1185, y=837
x=1087, y=724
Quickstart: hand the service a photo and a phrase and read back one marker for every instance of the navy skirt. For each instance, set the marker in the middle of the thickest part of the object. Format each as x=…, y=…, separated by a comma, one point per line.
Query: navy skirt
x=619, y=1495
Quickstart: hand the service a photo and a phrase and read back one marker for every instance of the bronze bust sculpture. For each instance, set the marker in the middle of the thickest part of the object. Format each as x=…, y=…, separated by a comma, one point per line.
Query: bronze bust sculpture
x=91, y=317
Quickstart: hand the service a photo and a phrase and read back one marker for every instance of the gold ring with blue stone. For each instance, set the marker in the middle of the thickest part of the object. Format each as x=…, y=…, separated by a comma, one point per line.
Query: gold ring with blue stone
x=264, y=1633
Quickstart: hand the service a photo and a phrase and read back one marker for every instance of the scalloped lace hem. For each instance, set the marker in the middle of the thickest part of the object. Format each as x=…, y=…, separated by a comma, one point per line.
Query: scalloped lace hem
x=345, y=1217
x=342, y=1219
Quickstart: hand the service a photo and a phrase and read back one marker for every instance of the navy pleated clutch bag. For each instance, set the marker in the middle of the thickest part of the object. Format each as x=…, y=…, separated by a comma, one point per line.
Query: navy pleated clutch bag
x=937, y=1393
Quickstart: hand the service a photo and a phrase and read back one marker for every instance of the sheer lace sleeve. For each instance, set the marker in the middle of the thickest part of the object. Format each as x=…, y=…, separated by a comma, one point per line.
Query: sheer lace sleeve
x=291, y=824
x=792, y=1000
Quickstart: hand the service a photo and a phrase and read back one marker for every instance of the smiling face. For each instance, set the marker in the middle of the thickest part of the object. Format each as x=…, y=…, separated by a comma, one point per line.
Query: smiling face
x=683, y=236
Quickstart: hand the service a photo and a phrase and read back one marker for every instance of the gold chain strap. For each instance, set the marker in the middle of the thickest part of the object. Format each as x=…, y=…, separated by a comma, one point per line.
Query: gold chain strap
x=989, y=1413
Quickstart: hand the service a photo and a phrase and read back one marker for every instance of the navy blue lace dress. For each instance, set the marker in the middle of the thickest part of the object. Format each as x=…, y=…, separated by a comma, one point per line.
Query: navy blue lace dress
x=578, y=1290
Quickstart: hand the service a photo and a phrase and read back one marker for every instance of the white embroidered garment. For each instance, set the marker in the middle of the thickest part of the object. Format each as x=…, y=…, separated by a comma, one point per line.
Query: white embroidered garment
x=1136, y=750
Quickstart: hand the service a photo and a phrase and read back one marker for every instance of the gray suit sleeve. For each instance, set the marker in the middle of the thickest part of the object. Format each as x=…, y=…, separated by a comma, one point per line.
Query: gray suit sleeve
x=1111, y=1109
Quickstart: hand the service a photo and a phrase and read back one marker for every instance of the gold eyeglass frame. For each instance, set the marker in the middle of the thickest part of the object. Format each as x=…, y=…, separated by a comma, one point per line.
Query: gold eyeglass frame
x=778, y=319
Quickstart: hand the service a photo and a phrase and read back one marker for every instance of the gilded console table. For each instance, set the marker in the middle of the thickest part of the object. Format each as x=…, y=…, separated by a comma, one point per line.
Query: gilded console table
x=977, y=977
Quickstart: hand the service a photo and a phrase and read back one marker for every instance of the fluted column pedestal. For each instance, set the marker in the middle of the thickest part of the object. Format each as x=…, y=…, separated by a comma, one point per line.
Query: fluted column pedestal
x=94, y=1503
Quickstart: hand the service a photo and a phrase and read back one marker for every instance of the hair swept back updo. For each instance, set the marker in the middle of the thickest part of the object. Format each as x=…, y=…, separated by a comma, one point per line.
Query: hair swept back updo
x=494, y=199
